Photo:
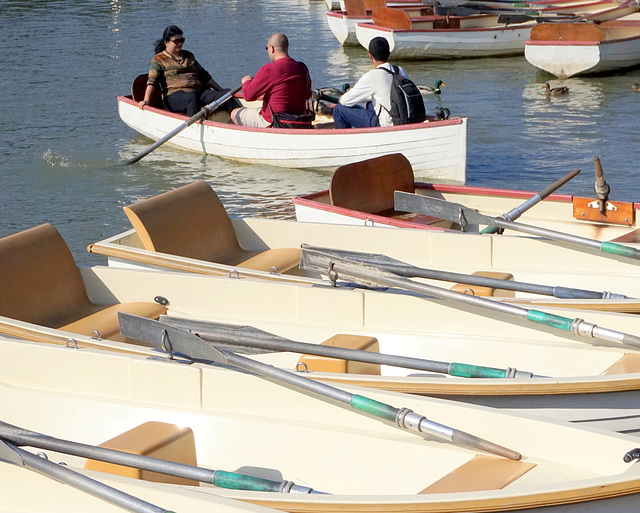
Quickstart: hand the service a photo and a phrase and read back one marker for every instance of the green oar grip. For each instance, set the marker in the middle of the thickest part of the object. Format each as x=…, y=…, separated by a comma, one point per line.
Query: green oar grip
x=490, y=229
x=236, y=481
x=376, y=408
x=555, y=321
x=618, y=249
x=464, y=370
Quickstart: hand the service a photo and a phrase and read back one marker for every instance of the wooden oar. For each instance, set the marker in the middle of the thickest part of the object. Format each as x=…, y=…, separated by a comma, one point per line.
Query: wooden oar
x=218, y=478
x=516, y=212
x=340, y=268
x=223, y=335
x=408, y=202
x=201, y=114
x=17, y=456
x=409, y=271
x=182, y=342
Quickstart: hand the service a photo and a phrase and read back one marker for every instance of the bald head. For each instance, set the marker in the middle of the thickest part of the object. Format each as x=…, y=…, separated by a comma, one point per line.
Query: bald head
x=280, y=45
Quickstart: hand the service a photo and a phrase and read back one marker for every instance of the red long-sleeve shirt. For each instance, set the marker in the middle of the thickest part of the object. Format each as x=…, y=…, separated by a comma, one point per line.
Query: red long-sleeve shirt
x=284, y=85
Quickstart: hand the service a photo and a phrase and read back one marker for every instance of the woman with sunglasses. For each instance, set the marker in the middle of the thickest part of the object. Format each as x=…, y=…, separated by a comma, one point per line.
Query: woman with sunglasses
x=185, y=85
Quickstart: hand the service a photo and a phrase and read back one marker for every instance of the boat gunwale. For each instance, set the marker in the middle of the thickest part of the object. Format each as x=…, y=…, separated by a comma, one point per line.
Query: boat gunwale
x=510, y=28
x=453, y=121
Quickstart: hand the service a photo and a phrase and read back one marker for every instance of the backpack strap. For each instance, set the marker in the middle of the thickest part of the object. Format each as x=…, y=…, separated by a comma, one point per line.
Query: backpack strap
x=396, y=70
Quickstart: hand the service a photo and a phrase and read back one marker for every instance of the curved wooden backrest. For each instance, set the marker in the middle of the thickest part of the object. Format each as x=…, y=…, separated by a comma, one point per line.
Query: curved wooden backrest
x=368, y=186
x=391, y=18
x=355, y=8
x=372, y=4
x=567, y=32
x=190, y=221
x=138, y=88
x=41, y=282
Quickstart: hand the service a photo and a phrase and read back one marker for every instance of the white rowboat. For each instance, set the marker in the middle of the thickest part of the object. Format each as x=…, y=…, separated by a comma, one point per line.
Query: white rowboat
x=235, y=421
x=471, y=37
x=572, y=49
x=363, y=194
x=583, y=372
x=436, y=149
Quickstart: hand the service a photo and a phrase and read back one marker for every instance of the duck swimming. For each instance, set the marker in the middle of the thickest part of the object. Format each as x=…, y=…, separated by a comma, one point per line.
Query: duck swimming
x=635, y=87
x=556, y=91
x=432, y=90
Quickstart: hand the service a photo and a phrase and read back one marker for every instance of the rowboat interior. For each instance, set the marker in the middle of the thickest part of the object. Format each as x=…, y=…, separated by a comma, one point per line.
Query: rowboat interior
x=49, y=299
x=221, y=419
x=364, y=192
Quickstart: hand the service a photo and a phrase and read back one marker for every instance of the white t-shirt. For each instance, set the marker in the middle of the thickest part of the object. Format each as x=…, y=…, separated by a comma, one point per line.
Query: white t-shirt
x=374, y=86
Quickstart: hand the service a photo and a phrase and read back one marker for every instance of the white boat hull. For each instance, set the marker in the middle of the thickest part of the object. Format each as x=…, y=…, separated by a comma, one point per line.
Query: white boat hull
x=241, y=423
x=448, y=43
x=566, y=60
x=437, y=150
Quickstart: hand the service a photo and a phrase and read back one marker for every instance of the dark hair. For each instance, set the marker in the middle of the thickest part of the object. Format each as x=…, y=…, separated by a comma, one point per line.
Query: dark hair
x=379, y=49
x=168, y=33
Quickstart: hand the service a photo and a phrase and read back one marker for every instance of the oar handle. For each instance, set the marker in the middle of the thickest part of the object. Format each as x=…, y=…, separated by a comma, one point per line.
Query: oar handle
x=202, y=113
x=515, y=213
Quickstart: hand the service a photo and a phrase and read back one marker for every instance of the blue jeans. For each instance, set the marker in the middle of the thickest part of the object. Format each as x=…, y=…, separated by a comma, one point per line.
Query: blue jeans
x=354, y=117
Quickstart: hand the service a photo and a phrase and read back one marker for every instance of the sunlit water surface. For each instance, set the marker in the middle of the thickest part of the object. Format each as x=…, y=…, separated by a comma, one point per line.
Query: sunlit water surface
x=62, y=144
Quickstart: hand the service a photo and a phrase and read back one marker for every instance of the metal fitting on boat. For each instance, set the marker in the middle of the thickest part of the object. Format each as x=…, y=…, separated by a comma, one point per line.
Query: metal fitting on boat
x=632, y=455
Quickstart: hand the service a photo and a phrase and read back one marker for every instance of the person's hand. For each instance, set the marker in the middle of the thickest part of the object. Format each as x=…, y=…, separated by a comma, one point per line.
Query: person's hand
x=143, y=103
x=246, y=78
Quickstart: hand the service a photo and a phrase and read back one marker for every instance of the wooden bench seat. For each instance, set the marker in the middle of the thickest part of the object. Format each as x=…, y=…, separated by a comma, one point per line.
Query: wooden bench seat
x=192, y=222
x=43, y=285
x=368, y=186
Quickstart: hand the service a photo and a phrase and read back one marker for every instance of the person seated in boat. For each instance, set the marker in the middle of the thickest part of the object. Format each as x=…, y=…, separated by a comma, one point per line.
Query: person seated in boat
x=185, y=85
x=373, y=89
x=284, y=84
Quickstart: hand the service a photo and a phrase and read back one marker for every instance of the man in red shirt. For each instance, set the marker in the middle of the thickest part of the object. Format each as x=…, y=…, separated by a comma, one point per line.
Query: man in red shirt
x=284, y=85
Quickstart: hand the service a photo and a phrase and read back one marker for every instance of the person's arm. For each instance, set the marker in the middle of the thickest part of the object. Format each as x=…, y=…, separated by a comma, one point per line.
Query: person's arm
x=254, y=88
x=147, y=96
x=153, y=81
x=359, y=93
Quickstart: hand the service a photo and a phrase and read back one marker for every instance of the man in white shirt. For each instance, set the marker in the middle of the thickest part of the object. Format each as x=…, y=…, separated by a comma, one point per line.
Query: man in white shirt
x=374, y=88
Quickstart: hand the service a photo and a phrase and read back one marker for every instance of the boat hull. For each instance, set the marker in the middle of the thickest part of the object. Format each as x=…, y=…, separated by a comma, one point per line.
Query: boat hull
x=566, y=59
x=448, y=43
x=559, y=212
x=241, y=422
x=437, y=150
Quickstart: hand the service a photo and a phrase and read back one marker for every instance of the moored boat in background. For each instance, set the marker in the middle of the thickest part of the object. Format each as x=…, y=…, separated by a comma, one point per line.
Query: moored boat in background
x=573, y=49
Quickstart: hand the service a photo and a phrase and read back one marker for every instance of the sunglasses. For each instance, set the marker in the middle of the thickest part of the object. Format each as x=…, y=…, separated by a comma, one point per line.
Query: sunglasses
x=178, y=41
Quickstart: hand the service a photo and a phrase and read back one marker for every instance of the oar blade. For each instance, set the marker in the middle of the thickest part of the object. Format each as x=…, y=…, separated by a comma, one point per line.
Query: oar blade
x=9, y=455
x=466, y=217
x=169, y=339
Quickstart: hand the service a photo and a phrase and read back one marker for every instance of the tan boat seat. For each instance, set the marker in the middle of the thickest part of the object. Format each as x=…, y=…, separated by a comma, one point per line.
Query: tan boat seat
x=480, y=473
x=478, y=290
x=629, y=363
x=43, y=285
x=326, y=364
x=191, y=222
x=355, y=8
x=391, y=18
x=154, y=439
x=368, y=186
